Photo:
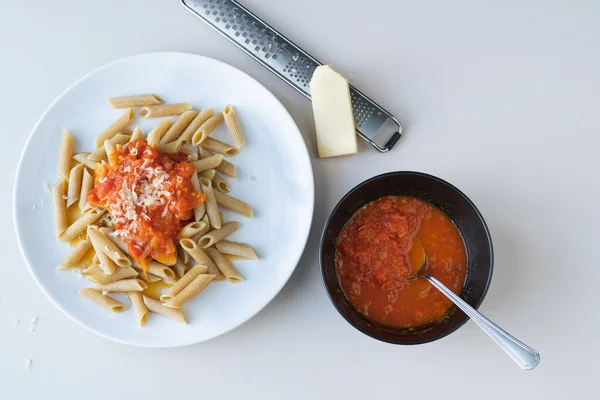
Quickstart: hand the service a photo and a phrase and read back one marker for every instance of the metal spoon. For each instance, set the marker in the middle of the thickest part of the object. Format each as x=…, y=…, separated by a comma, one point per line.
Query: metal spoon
x=525, y=356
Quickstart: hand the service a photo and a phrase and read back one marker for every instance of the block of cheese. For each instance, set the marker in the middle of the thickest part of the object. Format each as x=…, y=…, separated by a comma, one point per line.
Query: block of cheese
x=332, y=109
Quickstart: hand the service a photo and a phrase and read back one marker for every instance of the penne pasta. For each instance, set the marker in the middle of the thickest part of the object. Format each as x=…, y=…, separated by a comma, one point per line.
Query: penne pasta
x=106, y=263
x=83, y=159
x=137, y=134
x=105, y=301
x=220, y=184
x=219, y=147
x=87, y=184
x=207, y=163
x=224, y=265
x=108, y=247
x=152, y=278
x=74, y=186
x=170, y=281
x=200, y=256
x=211, y=203
x=183, y=282
x=207, y=128
x=164, y=110
x=186, y=137
x=100, y=153
x=236, y=249
x=139, y=100
x=191, y=229
x=171, y=148
x=66, y=153
x=119, y=125
x=204, y=230
x=158, y=269
x=178, y=127
x=233, y=204
x=233, y=126
x=217, y=235
x=180, y=268
x=157, y=307
x=97, y=275
x=61, y=222
x=200, y=210
x=76, y=255
x=141, y=311
x=109, y=148
x=124, y=285
x=183, y=254
x=190, y=291
x=208, y=174
x=226, y=168
x=156, y=133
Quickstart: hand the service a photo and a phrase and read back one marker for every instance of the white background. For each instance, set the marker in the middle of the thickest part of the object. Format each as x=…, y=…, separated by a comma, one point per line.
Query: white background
x=500, y=98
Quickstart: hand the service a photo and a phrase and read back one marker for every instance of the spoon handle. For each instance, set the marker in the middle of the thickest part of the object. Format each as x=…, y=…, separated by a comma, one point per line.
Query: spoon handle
x=525, y=356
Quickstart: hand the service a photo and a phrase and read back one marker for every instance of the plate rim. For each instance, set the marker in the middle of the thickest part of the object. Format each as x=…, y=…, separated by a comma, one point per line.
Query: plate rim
x=41, y=120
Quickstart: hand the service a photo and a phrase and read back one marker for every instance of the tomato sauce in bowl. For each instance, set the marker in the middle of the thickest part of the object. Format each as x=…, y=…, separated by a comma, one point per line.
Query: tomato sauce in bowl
x=380, y=246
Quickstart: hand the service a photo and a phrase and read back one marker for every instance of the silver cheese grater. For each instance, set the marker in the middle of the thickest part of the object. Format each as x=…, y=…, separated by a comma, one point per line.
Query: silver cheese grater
x=292, y=64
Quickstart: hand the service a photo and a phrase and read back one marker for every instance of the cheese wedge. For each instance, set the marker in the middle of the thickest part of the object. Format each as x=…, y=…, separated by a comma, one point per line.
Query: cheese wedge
x=332, y=109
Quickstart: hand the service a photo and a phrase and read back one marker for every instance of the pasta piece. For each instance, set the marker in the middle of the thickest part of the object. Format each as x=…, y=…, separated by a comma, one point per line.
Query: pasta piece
x=109, y=148
x=158, y=269
x=153, y=278
x=233, y=126
x=192, y=157
x=236, y=249
x=216, y=235
x=200, y=210
x=191, y=229
x=183, y=282
x=87, y=184
x=200, y=256
x=61, y=222
x=114, y=128
x=74, y=186
x=170, y=281
x=118, y=242
x=221, y=184
x=139, y=100
x=137, y=134
x=190, y=291
x=156, y=133
x=171, y=148
x=106, y=263
x=178, y=127
x=100, y=153
x=183, y=254
x=108, y=247
x=224, y=265
x=208, y=163
x=105, y=301
x=125, y=285
x=207, y=128
x=226, y=168
x=204, y=153
x=208, y=174
x=204, y=231
x=180, y=268
x=233, y=204
x=66, y=153
x=157, y=307
x=196, y=123
x=83, y=159
x=79, y=250
x=211, y=203
x=219, y=147
x=98, y=276
x=164, y=110
x=141, y=311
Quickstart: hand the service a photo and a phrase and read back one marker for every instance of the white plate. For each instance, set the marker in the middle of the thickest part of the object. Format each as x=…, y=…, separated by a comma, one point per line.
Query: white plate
x=274, y=176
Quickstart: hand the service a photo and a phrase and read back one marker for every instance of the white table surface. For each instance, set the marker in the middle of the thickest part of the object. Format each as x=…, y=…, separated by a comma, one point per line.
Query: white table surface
x=500, y=98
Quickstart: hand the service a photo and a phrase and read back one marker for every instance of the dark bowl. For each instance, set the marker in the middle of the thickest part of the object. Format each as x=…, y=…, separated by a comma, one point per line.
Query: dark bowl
x=456, y=205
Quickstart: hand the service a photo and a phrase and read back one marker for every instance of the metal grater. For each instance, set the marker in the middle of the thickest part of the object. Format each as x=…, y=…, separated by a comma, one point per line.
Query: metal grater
x=291, y=63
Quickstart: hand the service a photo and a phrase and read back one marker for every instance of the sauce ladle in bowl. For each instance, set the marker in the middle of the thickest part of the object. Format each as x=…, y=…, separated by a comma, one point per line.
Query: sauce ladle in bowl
x=525, y=356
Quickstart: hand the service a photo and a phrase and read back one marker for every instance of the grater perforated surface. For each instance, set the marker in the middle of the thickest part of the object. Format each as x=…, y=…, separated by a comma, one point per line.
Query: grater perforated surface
x=290, y=63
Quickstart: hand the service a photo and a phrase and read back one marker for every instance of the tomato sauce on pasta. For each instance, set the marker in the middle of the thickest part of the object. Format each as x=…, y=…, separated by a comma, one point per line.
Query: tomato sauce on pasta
x=149, y=196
